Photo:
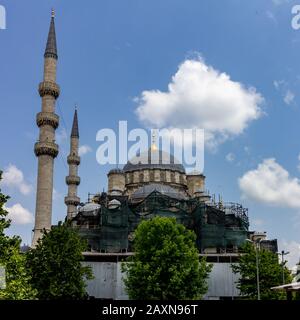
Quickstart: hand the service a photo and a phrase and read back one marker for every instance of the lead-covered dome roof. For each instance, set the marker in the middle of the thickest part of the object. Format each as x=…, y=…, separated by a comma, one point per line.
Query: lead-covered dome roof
x=145, y=190
x=154, y=159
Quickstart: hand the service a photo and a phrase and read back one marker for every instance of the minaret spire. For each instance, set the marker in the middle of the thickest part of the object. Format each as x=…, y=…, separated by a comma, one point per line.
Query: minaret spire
x=46, y=149
x=75, y=130
x=51, y=47
x=73, y=180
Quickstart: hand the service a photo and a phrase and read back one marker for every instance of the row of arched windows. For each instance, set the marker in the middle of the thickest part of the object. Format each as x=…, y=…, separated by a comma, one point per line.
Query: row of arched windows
x=130, y=177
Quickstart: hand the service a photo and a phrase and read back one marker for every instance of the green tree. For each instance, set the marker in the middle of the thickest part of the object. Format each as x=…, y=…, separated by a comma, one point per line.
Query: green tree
x=17, y=280
x=270, y=273
x=55, y=264
x=166, y=264
x=5, y=241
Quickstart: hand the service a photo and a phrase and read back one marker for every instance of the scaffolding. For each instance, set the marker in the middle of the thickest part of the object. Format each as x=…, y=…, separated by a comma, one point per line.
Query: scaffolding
x=218, y=227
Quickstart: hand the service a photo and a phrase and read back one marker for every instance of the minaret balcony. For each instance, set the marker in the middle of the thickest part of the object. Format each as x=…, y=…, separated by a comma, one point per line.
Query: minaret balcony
x=49, y=88
x=73, y=180
x=72, y=200
x=47, y=118
x=72, y=159
x=46, y=148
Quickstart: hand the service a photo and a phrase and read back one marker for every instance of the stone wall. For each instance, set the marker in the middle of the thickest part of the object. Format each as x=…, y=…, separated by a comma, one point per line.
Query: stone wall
x=195, y=183
x=116, y=181
x=136, y=179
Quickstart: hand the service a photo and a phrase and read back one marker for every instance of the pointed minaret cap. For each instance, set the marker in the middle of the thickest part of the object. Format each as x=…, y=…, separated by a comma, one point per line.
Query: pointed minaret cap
x=75, y=130
x=51, y=48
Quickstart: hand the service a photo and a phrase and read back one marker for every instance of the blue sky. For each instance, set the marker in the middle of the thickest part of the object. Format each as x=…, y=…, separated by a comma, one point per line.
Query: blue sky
x=112, y=51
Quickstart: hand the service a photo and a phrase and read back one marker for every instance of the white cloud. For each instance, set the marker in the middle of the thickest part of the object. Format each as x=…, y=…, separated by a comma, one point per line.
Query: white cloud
x=271, y=184
x=298, y=166
x=258, y=222
x=200, y=96
x=19, y=215
x=280, y=2
x=230, y=157
x=84, y=149
x=56, y=195
x=289, y=97
x=277, y=84
x=14, y=178
x=293, y=248
x=247, y=150
x=61, y=136
x=280, y=84
x=271, y=15
x=287, y=94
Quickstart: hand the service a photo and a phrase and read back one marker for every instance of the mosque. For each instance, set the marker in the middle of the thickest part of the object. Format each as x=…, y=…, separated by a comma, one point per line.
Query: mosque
x=140, y=190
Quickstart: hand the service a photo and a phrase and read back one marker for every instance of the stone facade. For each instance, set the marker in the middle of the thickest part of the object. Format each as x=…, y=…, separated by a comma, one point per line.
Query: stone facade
x=116, y=181
x=129, y=182
x=195, y=183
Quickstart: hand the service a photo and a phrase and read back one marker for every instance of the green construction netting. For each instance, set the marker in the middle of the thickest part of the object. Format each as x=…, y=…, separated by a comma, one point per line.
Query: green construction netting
x=214, y=228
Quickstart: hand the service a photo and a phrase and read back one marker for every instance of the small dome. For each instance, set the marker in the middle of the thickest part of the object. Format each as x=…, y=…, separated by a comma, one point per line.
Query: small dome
x=24, y=248
x=194, y=173
x=154, y=159
x=88, y=207
x=116, y=192
x=115, y=171
x=114, y=203
x=144, y=191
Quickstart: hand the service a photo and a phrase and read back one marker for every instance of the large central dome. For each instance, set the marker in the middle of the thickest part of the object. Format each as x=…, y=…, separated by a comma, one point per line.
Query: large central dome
x=154, y=159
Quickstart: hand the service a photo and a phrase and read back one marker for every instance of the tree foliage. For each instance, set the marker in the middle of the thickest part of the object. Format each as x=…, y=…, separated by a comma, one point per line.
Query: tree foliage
x=270, y=273
x=17, y=280
x=166, y=264
x=55, y=264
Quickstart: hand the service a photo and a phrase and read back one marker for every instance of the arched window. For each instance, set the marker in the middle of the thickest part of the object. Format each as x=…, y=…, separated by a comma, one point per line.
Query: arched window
x=173, y=177
x=141, y=177
x=152, y=175
x=181, y=179
x=130, y=177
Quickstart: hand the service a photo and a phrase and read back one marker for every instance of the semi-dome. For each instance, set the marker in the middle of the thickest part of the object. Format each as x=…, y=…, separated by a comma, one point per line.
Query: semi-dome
x=89, y=208
x=154, y=159
x=145, y=190
x=114, y=203
x=194, y=173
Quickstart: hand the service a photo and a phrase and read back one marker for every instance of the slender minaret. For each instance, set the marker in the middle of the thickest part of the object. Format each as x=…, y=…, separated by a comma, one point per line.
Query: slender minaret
x=46, y=149
x=72, y=180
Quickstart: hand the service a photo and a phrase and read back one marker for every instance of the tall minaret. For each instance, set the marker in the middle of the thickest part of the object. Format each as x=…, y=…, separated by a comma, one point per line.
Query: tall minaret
x=46, y=149
x=72, y=180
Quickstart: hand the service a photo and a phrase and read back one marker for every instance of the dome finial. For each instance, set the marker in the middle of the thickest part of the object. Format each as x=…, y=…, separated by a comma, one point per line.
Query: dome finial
x=154, y=136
